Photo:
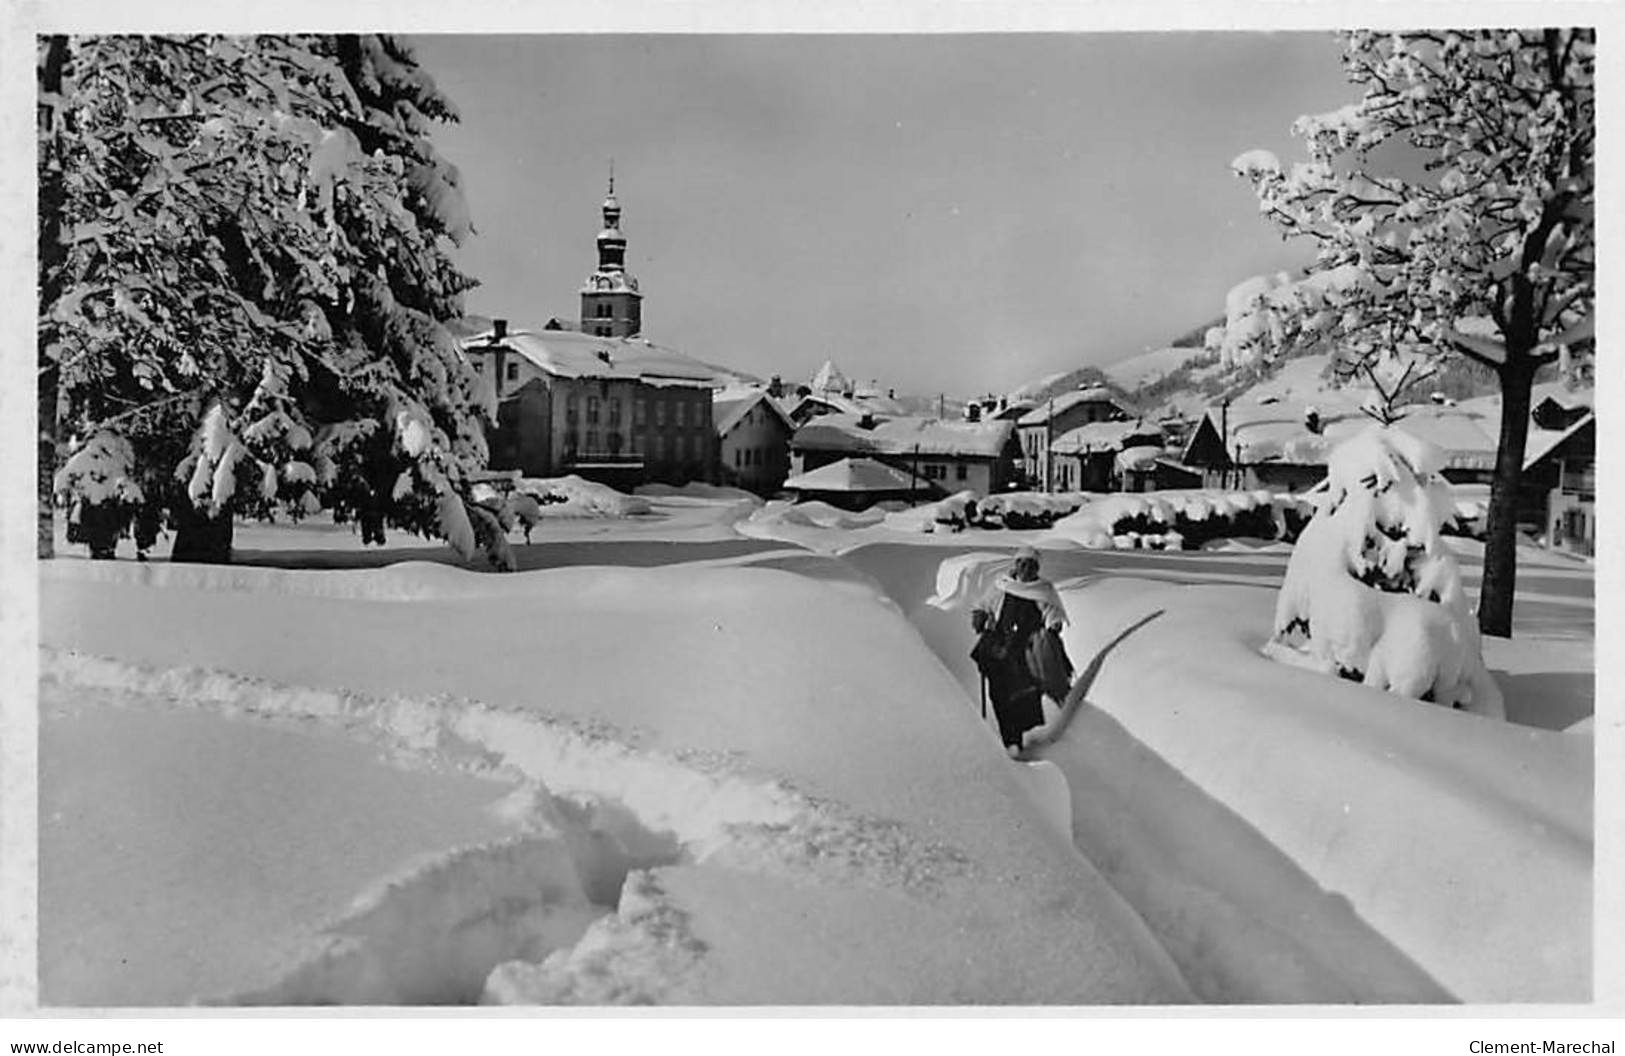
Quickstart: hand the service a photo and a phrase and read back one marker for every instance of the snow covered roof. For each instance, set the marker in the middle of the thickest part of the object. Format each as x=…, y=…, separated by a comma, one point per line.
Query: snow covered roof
x=1138, y=457
x=1276, y=432
x=1542, y=442
x=1094, y=394
x=857, y=403
x=903, y=434
x=856, y=475
x=1105, y=436
x=569, y=354
x=729, y=406
x=830, y=379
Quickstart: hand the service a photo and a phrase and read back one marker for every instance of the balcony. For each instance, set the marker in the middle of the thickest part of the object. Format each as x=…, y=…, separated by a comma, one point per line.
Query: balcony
x=602, y=460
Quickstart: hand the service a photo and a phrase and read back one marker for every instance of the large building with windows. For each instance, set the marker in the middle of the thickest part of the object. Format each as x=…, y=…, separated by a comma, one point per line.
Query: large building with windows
x=594, y=399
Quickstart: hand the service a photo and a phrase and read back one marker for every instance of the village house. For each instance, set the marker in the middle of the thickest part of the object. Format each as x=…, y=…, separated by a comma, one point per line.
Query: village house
x=957, y=455
x=753, y=440
x=1105, y=456
x=1037, y=429
x=858, y=483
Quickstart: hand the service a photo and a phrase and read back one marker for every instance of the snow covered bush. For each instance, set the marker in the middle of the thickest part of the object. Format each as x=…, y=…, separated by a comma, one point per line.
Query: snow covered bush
x=1024, y=510
x=1371, y=593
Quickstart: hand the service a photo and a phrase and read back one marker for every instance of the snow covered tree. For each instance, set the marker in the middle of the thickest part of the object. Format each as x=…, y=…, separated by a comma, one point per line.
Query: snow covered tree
x=1371, y=593
x=243, y=277
x=1452, y=208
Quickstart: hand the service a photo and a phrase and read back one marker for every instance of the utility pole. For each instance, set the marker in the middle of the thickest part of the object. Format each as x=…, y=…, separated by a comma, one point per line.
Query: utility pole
x=1049, y=438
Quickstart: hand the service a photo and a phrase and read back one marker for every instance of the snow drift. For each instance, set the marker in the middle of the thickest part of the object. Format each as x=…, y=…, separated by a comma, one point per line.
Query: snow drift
x=1417, y=850
x=802, y=768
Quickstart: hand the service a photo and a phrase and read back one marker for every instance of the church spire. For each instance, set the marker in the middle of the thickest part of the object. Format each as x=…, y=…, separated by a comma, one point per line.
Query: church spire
x=610, y=302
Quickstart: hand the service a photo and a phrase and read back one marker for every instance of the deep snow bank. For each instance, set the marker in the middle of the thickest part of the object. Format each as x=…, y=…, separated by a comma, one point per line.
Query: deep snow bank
x=791, y=737
x=1464, y=843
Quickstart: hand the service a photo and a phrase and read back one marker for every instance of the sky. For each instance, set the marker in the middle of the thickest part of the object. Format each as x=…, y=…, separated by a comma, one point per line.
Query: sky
x=953, y=214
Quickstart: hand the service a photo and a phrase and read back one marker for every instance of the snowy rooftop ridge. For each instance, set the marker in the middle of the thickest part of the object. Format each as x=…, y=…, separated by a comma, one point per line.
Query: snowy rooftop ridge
x=856, y=475
x=1093, y=394
x=571, y=354
x=903, y=434
x=1106, y=436
x=729, y=406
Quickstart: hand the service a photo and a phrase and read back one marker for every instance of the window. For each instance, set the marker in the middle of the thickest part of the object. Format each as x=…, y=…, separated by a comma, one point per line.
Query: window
x=679, y=449
x=592, y=441
x=660, y=448
x=513, y=371
x=681, y=407
x=570, y=443
x=592, y=410
x=640, y=412
x=614, y=442
x=637, y=444
x=614, y=410
x=739, y=457
x=570, y=409
x=932, y=471
x=602, y=331
x=960, y=471
x=660, y=412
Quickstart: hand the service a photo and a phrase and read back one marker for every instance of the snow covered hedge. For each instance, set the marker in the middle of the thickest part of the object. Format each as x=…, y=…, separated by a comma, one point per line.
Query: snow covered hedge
x=1182, y=520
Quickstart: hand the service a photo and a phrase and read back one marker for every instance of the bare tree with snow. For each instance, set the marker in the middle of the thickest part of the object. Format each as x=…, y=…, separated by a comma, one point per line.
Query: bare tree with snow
x=1452, y=206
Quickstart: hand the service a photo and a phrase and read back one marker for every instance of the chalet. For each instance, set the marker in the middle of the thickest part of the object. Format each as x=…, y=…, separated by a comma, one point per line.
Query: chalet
x=1101, y=456
x=858, y=483
x=1558, y=493
x=955, y=454
x=752, y=439
x=616, y=409
x=1038, y=428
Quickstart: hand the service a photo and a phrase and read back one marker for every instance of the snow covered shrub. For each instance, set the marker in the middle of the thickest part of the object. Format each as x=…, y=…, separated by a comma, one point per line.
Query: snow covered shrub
x=1371, y=593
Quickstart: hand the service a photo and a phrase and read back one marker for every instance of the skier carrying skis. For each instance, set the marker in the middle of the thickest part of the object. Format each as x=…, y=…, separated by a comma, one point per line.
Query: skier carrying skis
x=1018, y=649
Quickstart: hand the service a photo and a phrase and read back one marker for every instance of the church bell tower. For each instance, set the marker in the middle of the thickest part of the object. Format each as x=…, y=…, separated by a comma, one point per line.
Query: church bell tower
x=611, y=305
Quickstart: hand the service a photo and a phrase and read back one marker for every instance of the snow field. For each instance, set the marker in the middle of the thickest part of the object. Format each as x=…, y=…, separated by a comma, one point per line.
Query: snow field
x=771, y=731
x=1396, y=831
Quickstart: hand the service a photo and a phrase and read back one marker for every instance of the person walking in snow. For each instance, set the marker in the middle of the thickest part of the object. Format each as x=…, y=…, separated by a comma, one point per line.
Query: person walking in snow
x=1018, y=648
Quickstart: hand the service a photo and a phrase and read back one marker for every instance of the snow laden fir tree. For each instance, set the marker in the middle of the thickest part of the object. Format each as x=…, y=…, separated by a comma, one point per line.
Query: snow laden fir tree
x=1371, y=593
x=243, y=281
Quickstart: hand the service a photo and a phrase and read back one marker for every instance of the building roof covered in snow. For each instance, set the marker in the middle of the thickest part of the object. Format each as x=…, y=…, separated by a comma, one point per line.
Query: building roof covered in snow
x=856, y=475
x=903, y=435
x=570, y=354
x=1099, y=437
x=729, y=407
x=1542, y=442
x=1040, y=414
x=830, y=379
x=1278, y=431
